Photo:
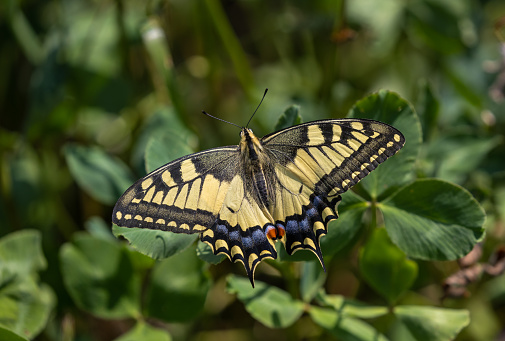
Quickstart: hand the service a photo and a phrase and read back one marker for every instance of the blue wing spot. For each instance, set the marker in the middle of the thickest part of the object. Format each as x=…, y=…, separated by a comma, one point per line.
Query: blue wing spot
x=222, y=229
x=317, y=202
x=247, y=242
x=312, y=212
x=259, y=237
x=292, y=227
x=305, y=226
x=234, y=236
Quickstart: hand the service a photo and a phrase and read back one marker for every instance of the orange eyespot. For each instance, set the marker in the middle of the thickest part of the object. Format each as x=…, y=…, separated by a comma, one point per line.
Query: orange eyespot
x=271, y=233
x=276, y=232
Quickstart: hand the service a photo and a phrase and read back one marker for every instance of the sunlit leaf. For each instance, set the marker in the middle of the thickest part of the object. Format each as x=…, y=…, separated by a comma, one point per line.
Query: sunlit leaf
x=155, y=243
x=143, y=331
x=352, y=308
x=433, y=220
x=26, y=305
x=432, y=323
x=9, y=335
x=269, y=305
x=344, y=328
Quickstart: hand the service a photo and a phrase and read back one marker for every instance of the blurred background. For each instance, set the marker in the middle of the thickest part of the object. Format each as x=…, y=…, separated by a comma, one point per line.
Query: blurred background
x=85, y=80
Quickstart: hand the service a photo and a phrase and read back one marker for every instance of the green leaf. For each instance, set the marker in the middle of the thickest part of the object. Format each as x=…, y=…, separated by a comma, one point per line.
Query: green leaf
x=269, y=305
x=102, y=176
x=21, y=253
x=153, y=149
x=344, y=328
x=26, y=305
x=431, y=323
x=204, y=251
x=454, y=157
x=162, y=149
x=428, y=109
x=143, y=331
x=156, y=244
x=388, y=107
x=352, y=308
x=312, y=279
x=290, y=117
x=178, y=288
x=347, y=226
x=9, y=335
x=433, y=220
x=97, y=227
x=99, y=276
x=385, y=267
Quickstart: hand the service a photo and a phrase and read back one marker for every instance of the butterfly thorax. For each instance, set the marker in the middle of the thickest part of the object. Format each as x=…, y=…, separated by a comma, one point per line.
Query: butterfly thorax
x=257, y=166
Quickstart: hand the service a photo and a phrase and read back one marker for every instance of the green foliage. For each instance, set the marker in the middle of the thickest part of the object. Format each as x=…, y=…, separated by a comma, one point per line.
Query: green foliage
x=290, y=117
x=273, y=307
x=108, y=289
x=154, y=243
x=385, y=267
x=103, y=177
x=178, y=288
x=94, y=96
x=447, y=217
x=431, y=323
x=143, y=331
x=26, y=303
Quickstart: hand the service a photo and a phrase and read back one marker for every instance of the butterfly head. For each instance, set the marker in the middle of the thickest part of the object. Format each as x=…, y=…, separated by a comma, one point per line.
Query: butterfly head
x=250, y=146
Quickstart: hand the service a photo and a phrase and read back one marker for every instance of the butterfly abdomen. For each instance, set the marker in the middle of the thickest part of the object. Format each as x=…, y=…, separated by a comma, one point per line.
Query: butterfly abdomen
x=260, y=183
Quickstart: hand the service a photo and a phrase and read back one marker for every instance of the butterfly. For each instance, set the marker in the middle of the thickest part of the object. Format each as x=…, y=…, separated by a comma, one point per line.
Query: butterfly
x=242, y=199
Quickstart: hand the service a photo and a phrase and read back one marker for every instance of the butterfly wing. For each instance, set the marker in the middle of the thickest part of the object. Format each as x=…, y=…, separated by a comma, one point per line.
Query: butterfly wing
x=315, y=163
x=239, y=231
x=184, y=196
x=201, y=193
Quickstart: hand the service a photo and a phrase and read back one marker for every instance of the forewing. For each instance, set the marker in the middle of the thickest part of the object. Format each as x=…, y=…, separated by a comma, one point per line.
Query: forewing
x=184, y=196
x=330, y=156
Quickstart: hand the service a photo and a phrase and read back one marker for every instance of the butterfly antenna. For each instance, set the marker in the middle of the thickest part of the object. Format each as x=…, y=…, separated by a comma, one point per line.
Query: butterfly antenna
x=220, y=119
x=264, y=94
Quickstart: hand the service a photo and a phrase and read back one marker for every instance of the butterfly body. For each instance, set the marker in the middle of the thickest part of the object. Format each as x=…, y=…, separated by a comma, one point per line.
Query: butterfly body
x=242, y=199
